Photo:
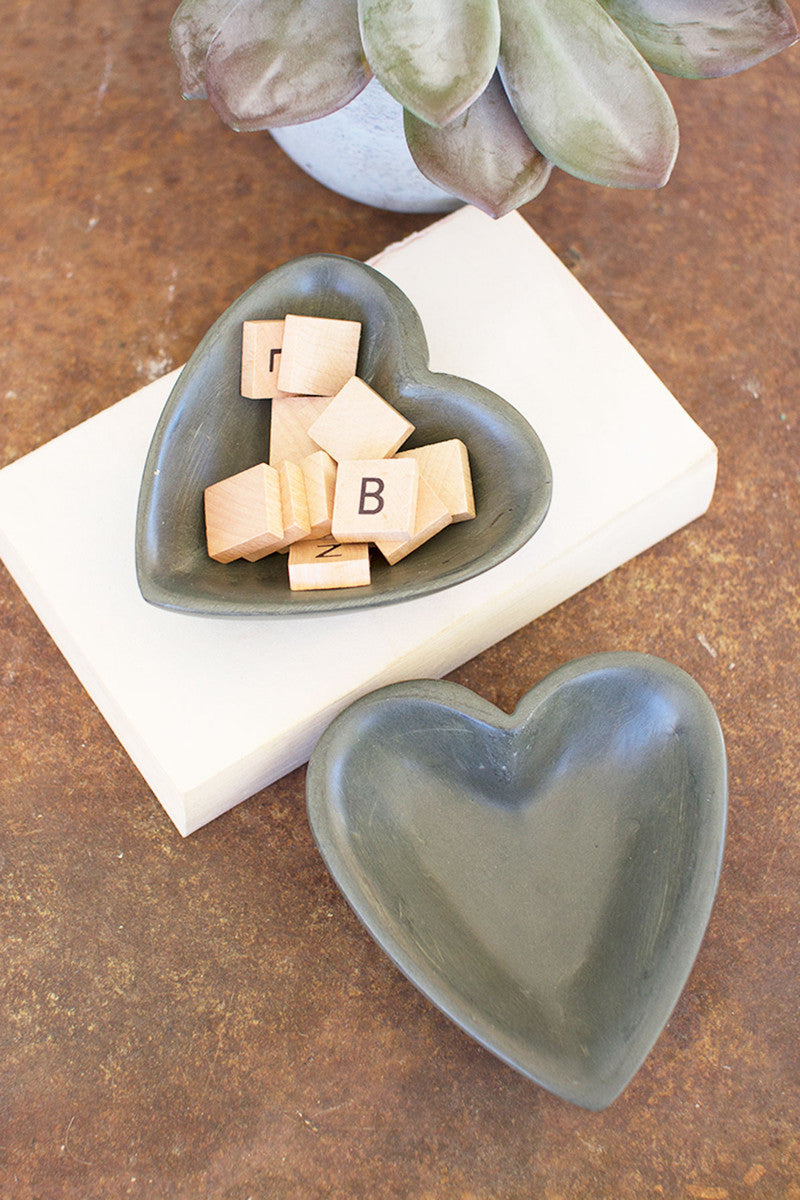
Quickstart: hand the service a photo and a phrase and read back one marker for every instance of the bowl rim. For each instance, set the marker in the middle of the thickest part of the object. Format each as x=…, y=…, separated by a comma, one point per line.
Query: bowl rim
x=405, y=364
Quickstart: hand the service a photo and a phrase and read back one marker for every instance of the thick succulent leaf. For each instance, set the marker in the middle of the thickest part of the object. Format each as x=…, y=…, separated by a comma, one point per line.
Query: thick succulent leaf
x=705, y=39
x=434, y=56
x=193, y=27
x=484, y=156
x=282, y=62
x=584, y=95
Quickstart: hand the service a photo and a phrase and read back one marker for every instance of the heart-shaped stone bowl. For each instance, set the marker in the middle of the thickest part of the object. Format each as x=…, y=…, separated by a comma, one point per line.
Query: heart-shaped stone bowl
x=545, y=878
x=207, y=431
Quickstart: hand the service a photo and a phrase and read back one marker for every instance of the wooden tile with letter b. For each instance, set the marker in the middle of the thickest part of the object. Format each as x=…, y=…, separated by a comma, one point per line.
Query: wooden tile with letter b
x=319, y=354
x=320, y=563
x=358, y=423
x=376, y=499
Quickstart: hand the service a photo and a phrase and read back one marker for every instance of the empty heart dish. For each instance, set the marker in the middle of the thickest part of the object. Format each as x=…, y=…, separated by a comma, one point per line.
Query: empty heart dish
x=545, y=878
x=209, y=432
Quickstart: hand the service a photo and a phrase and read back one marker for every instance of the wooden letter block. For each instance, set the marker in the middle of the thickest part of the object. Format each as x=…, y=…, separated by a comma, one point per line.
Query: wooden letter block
x=319, y=354
x=358, y=423
x=445, y=467
x=432, y=516
x=375, y=499
x=261, y=358
x=319, y=472
x=293, y=500
x=294, y=508
x=243, y=515
x=326, y=563
x=289, y=421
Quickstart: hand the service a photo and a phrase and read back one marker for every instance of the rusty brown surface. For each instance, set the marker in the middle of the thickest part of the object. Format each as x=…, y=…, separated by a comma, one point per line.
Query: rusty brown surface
x=206, y=1017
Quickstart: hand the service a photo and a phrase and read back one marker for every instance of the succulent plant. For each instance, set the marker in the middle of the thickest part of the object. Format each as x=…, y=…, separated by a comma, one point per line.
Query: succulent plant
x=494, y=92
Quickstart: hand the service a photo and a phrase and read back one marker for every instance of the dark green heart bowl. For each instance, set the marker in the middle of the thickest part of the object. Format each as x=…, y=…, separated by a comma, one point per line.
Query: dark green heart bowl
x=207, y=431
x=546, y=877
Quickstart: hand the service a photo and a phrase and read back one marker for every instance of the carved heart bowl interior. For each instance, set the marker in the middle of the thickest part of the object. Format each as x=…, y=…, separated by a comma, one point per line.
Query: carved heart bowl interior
x=208, y=431
x=545, y=878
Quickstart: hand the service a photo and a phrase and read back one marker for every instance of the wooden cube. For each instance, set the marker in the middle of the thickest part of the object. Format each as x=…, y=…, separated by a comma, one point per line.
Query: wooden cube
x=376, y=499
x=243, y=514
x=319, y=354
x=261, y=358
x=432, y=516
x=358, y=423
x=325, y=563
x=319, y=472
x=290, y=419
x=445, y=467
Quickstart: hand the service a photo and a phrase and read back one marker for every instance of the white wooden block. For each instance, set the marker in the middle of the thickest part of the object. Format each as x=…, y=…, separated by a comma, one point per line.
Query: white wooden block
x=431, y=517
x=190, y=698
x=319, y=354
x=289, y=421
x=358, y=423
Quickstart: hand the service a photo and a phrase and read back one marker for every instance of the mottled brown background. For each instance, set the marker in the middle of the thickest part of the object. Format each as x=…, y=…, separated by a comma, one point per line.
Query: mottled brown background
x=182, y=1019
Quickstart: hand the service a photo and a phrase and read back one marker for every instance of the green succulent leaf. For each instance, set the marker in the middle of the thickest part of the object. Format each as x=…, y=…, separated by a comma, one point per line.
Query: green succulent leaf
x=484, y=156
x=715, y=37
x=285, y=62
x=584, y=95
x=434, y=56
x=191, y=32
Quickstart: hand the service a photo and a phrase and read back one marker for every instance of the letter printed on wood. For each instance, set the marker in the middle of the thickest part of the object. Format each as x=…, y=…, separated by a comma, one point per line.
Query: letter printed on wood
x=325, y=563
x=261, y=358
x=375, y=499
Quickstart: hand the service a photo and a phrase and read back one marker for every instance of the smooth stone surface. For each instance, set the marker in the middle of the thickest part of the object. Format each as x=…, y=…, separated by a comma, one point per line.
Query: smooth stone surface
x=208, y=432
x=545, y=878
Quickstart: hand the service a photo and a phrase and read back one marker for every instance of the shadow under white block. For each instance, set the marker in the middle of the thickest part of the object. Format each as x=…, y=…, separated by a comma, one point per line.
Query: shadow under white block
x=213, y=710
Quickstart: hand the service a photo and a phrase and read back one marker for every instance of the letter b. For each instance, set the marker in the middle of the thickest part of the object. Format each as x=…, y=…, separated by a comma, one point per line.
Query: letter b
x=375, y=495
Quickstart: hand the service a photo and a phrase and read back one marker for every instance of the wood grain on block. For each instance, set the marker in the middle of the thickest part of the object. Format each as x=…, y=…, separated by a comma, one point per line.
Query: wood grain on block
x=319, y=472
x=319, y=354
x=290, y=418
x=243, y=515
x=445, y=467
x=375, y=498
x=319, y=563
x=432, y=516
x=358, y=423
x=293, y=502
x=261, y=358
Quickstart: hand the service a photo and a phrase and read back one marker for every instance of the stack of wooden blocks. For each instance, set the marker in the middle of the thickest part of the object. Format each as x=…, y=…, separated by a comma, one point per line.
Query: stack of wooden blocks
x=336, y=481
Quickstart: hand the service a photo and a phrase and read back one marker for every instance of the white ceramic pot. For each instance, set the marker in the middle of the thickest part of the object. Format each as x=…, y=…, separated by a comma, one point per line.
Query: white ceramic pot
x=361, y=152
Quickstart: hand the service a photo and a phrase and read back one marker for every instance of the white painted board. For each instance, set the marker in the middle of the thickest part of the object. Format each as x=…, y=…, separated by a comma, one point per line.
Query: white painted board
x=212, y=710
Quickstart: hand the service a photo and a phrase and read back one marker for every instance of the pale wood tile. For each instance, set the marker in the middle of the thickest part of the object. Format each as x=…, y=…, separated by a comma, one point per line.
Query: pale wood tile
x=358, y=423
